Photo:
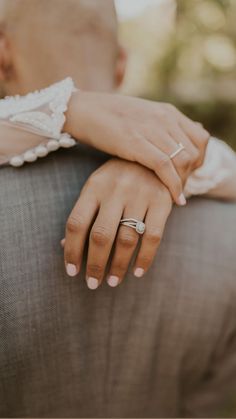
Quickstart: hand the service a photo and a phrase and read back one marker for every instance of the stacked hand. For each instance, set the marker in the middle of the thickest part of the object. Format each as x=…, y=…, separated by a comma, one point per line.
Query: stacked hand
x=140, y=185
x=140, y=131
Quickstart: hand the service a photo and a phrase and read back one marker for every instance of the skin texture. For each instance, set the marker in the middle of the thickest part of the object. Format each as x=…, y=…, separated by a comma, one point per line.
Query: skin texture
x=65, y=41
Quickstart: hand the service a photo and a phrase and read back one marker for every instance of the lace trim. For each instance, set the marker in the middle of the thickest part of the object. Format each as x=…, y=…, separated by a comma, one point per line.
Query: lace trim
x=20, y=109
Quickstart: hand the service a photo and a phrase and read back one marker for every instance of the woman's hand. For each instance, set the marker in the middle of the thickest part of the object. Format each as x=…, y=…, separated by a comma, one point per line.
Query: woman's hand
x=140, y=131
x=119, y=189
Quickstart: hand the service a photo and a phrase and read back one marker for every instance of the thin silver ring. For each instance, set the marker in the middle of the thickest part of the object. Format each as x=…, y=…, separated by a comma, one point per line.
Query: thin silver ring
x=179, y=149
x=137, y=225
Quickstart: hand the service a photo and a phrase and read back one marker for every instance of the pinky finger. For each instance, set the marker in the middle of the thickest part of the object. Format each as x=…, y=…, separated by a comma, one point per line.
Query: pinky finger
x=155, y=224
x=164, y=168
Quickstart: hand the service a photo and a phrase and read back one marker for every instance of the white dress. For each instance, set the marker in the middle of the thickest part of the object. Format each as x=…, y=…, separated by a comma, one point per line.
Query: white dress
x=34, y=123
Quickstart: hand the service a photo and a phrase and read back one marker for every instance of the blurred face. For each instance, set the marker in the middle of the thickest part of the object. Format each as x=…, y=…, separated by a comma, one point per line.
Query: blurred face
x=45, y=41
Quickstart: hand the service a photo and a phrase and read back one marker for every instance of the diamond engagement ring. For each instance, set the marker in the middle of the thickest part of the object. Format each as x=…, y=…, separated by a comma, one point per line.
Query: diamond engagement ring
x=179, y=149
x=137, y=225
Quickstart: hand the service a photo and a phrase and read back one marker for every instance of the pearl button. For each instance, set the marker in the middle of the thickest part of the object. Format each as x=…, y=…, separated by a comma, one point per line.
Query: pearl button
x=41, y=151
x=30, y=156
x=16, y=161
x=53, y=145
x=67, y=142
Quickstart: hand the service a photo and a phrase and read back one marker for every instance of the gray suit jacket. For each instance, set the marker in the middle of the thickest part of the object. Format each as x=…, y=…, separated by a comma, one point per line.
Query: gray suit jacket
x=163, y=346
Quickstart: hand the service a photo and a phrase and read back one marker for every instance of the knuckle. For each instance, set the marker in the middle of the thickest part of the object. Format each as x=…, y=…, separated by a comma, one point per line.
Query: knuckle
x=125, y=183
x=70, y=255
x=153, y=238
x=198, y=163
x=197, y=159
x=161, y=110
x=119, y=267
x=100, y=236
x=75, y=224
x=126, y=240
x=170, y=108
x=164, y=162
x=196, y=155
x=204, y=137
x=95, y=269
x=92, y=182
x=186, y=162
x=144, y=261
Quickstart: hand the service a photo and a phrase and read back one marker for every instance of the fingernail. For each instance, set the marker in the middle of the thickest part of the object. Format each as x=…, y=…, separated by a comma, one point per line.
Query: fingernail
x=63, y=242
x=139, y=272
x=71, y=269
x=92, y=283
x=182, y=201
x=113, y=281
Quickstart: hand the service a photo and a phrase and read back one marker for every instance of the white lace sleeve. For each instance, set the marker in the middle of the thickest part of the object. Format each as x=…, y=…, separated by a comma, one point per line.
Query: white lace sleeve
x=31, y=125
x=217, y=176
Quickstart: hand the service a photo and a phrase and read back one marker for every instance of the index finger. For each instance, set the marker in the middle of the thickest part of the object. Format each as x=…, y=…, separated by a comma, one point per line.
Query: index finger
x=77, y=228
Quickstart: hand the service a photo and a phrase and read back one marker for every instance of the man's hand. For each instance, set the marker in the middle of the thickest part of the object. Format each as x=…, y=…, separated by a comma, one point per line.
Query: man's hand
x=140, y=131
x=119, y=189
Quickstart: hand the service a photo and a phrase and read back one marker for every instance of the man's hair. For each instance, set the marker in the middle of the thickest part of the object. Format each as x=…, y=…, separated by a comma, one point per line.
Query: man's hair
x=97, y=17
x=90, y=10
x=57, y=37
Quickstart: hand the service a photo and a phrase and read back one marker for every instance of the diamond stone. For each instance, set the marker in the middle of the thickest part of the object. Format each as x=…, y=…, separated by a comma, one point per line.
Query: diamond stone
x=140, y=227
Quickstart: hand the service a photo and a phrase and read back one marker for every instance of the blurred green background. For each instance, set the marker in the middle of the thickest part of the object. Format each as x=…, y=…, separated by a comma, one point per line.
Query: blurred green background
x=184, y=52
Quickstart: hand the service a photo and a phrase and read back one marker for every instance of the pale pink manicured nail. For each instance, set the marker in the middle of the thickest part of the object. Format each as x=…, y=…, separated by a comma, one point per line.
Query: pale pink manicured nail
x=182, y=200
x=139, y=272
x=63, y=242
x=92, y=283
x=113, y=281
x=71, y=269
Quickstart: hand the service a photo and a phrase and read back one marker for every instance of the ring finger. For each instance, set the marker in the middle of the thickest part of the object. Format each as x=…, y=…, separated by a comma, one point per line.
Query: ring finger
x=126, y=243
x=186, y=160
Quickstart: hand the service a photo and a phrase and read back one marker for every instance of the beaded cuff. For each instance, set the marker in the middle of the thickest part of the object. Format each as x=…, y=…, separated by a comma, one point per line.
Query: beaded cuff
x=40, y=115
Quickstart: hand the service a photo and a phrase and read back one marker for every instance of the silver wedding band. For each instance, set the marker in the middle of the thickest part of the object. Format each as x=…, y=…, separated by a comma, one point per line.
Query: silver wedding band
x=137, y=225
x=179, y=149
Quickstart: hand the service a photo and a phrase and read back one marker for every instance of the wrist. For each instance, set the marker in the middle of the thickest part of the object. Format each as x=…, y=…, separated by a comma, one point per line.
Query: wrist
x=78, y=115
